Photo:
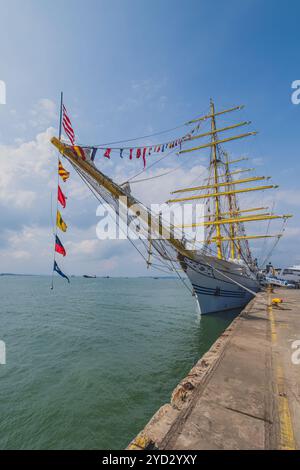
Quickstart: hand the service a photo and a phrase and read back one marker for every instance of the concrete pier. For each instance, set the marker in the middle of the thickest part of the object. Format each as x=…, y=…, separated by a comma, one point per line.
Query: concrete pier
x=244, y=393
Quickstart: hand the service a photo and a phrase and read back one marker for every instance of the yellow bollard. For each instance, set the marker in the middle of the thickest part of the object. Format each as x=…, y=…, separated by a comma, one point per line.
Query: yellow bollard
x=277, y=301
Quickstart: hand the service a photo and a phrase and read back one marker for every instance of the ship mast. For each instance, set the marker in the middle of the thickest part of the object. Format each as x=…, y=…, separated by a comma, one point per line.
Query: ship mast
x=222, y=187
x=232, y=211
x=214, y=163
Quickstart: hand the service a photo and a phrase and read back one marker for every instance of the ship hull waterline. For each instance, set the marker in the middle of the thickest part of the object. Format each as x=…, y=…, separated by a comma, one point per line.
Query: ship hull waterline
x=220, y=290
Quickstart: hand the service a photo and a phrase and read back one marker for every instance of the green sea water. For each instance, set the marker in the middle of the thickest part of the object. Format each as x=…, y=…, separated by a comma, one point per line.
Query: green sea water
x=88, y=364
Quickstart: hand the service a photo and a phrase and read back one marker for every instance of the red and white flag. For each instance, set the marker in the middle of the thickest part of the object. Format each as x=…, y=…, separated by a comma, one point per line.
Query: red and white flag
x=66, y=122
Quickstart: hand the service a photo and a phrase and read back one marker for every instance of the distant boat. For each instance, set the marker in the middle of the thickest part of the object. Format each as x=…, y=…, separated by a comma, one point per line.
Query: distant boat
x=275, y=281
x=285, y=277
x=89, y=277
x=290, y=274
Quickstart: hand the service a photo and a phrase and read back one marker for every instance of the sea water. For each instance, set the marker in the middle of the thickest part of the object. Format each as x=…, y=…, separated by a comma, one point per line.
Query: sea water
x=89, y=363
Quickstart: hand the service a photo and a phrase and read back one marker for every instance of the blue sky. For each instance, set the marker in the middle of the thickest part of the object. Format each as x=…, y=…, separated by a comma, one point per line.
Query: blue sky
x=130, y=68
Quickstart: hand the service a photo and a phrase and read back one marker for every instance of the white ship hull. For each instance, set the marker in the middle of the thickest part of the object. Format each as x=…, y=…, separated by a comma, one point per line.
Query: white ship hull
x=215, y=290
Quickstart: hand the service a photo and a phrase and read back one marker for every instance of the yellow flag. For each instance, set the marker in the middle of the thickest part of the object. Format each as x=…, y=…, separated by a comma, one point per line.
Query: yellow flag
x=60, y=222
x=64, y=174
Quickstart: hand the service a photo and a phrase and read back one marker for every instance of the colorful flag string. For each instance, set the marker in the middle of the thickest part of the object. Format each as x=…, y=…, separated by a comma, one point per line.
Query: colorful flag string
x=59, y=271
x=89, y=152
x=59, y=248
x=61, y=197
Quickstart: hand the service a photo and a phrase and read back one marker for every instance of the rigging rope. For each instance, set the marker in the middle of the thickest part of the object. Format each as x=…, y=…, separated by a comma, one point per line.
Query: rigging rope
x=264, y=241
x=275, y=243
x=155, y=163
x=166, y=131
x=100, y=199
x=104, y=145
x=150, y=166
x=157, y=176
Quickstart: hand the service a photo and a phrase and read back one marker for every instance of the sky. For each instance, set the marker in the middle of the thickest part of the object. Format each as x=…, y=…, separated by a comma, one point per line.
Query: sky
x=130, y=68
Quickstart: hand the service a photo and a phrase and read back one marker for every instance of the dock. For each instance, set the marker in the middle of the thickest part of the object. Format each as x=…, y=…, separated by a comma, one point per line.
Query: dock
x=244, y=393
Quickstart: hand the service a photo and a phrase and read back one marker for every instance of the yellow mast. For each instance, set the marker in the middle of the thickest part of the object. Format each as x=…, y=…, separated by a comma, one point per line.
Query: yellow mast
x=223, y=193
x=222, y=129
x=225, y=187
x=211, y=144
x=244, y=170
x=208, y=116
x=216, y=219
x=236, y=211
x=234, y=220
x=226, y=183
x=214, y=163
x=231, y=202
x=247, y=237
x=230, y=162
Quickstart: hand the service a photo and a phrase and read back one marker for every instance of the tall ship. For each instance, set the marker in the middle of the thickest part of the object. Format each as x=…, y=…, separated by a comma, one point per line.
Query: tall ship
x=218, y=269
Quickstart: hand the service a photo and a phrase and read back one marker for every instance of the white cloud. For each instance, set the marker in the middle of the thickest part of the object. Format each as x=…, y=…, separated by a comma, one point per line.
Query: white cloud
x=43, y=113
x=289, y=196
x=292, y=232
x=24, y=169
x=26, y=250
x=21, y=254
x=157, y=183
x=86, y=247
x=78, y=190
